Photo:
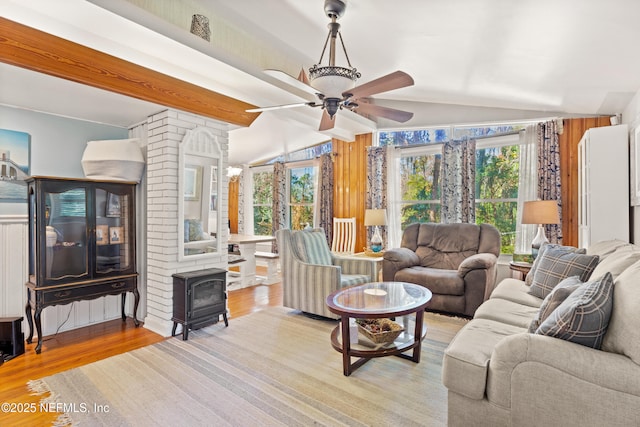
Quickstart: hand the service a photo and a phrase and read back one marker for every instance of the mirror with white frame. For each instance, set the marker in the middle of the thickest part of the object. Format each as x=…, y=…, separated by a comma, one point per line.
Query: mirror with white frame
x=200, y=184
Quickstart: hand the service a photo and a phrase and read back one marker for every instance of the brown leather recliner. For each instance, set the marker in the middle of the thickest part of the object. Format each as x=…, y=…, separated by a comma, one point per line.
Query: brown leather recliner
x=456, y=262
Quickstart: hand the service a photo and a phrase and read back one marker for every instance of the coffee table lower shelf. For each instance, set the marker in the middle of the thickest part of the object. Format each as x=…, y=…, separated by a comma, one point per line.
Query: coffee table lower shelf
x=399, y=347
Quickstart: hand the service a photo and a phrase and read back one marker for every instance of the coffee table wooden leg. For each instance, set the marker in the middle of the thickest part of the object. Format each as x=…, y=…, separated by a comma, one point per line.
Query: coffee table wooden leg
x=346, y=346
x=417, y=335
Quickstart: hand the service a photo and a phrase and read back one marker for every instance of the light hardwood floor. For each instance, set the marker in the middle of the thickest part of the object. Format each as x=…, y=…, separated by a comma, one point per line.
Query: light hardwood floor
x=71, y=349
x=79, y=347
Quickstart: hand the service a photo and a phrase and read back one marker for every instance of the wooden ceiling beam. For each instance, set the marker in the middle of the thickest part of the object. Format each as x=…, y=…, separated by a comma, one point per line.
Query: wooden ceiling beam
x=35, y=50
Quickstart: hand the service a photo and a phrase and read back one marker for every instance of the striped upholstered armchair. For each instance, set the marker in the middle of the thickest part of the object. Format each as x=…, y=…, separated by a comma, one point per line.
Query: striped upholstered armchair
x=310, y=271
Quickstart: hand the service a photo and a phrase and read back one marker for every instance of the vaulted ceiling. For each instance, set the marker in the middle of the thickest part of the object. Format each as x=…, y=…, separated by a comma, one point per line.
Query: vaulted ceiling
x=472, y=60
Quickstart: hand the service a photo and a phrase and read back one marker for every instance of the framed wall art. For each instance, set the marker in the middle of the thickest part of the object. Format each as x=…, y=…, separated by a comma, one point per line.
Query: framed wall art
x=116, y=235
x=192, y=182
x=14, y=165
x=102, y=234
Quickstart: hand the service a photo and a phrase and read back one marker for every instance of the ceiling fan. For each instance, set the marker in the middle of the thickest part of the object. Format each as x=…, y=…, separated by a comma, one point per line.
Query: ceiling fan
x=335, y=86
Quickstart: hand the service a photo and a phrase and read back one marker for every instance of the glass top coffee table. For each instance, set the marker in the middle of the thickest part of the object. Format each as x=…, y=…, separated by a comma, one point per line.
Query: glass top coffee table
x=403, y=302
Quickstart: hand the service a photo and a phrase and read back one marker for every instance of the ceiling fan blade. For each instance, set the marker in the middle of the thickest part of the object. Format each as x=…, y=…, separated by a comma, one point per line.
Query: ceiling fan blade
x=303, y=76
x=380, y=111
x=395, y=80
x=326, y=122
x=292, y=81
x=280, y=107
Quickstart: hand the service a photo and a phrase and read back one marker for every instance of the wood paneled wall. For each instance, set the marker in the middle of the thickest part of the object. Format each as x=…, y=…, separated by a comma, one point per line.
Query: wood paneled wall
x=350, y=183
x=234, y=187
x=574, y=129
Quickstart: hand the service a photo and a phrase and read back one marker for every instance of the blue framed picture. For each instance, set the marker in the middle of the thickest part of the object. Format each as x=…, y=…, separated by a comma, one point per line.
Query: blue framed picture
x=14, y=165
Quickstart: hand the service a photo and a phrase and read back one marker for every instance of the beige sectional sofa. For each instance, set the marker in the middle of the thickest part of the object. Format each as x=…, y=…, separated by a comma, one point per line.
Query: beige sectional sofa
x=499, y=374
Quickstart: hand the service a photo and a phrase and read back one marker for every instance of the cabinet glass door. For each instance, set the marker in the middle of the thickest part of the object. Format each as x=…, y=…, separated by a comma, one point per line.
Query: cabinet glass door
x=66, y=253
x=113, y=231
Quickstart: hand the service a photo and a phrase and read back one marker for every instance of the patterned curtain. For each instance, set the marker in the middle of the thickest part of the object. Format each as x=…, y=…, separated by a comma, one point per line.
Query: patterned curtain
x=458, y=182
x=241, y=179
x=279, y=200
x=325, y=196
x=376, y=197
x=549, y=173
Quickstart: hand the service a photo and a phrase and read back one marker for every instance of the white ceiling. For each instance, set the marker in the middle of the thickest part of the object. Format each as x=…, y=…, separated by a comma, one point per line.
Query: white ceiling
x=505, y=59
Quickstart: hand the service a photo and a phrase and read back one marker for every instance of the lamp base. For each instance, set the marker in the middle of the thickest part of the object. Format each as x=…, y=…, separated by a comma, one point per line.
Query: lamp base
x=538, y=241
x=376, y=240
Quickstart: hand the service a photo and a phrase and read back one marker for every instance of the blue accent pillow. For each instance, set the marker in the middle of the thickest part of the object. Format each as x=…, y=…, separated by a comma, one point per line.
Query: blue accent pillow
x=584, y=316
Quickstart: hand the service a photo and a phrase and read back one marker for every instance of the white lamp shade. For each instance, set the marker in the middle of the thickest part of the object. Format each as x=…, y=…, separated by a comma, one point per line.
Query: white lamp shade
x=375, y=217
x=540, y=212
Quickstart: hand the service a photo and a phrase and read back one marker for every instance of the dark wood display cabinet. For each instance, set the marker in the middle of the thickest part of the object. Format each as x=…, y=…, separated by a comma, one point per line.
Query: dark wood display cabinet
x=81, y=244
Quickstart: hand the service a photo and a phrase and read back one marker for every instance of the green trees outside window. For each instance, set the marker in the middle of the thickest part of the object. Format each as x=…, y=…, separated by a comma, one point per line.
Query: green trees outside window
x=420, y=188
x=497, y=176
x=263, y=203
x=497, y=179
x=301, y=196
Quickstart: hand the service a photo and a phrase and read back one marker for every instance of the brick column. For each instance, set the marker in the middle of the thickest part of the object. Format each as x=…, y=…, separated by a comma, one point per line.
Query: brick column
x=166, y=131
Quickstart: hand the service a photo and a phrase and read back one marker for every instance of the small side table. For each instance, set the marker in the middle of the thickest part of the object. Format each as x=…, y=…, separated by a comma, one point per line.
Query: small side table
x=521, y=268
x=376, y=259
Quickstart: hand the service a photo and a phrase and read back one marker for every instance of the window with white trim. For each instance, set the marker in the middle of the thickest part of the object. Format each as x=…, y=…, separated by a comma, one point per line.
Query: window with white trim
x=497, y=180
x=418, y=171
x=301, y=191
x=420, y=186
x=262, y=185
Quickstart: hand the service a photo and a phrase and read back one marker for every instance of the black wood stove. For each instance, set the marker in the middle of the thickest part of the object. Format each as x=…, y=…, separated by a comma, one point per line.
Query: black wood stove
x=199, y=298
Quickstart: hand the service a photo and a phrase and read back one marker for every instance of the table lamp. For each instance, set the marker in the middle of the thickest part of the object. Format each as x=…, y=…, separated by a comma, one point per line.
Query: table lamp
x=540, y=212
x=375, y=218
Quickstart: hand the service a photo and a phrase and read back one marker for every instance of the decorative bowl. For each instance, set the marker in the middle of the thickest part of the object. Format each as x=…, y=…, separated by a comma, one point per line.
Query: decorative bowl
x=369, y=252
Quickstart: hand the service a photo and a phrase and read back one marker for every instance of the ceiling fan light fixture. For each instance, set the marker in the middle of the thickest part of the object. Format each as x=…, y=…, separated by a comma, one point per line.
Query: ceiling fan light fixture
x=335, y=86
x=332, y=81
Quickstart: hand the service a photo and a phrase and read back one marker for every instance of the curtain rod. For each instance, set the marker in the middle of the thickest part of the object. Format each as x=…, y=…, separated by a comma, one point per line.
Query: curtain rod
x=497, y=135
x=333, y=156
x=431, y=144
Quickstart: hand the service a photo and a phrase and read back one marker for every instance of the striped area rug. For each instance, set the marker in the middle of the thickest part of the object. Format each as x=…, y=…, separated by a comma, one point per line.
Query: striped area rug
x=273, y=367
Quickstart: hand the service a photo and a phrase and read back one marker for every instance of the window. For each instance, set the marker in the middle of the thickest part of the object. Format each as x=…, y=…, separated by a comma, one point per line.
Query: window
x=497, y=176
x=301, y=188
x=263, y=202
x=414, y=137
x=420, y=185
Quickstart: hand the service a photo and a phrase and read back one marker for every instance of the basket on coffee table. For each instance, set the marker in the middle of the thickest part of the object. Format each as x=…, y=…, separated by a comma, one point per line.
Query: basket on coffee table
x=379, y=331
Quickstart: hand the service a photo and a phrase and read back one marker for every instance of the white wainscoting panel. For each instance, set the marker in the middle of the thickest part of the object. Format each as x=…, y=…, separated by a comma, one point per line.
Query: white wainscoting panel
x=14, y=268
x=13, y=264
